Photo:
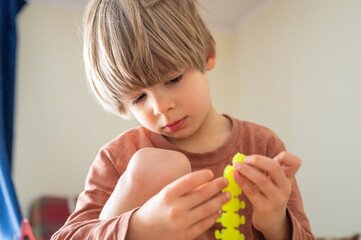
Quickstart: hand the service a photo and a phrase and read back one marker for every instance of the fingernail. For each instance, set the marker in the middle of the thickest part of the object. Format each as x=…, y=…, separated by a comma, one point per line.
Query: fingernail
x=246, y=159
x=228, y=195
x=237, y=165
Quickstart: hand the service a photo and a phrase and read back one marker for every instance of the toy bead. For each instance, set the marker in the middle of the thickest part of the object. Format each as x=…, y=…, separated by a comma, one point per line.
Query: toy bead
x=230, y=219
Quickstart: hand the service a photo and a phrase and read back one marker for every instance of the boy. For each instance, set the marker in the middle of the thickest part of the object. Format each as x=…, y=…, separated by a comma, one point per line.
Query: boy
x=150, y=58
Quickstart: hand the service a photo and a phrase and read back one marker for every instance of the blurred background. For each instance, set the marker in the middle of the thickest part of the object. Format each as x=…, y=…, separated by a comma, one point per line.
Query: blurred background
x=293, y=66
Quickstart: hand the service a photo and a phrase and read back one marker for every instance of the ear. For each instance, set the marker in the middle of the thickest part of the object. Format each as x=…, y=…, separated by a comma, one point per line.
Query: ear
x=211, y=60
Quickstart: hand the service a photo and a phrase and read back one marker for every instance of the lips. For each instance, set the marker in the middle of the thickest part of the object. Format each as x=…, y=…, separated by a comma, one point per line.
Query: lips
x=176, y=125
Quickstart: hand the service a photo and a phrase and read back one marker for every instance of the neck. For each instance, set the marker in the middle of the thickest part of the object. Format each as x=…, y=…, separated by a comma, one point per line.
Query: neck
x=211, y=134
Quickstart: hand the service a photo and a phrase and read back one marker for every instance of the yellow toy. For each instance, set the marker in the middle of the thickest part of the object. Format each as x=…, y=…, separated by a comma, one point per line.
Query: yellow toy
x=230, y=219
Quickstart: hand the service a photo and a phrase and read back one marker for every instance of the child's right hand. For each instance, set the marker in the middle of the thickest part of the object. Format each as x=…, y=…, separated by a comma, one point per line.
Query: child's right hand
x=182, y=210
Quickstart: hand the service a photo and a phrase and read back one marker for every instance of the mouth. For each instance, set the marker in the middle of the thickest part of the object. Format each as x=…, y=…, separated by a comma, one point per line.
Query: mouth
x=176, y=125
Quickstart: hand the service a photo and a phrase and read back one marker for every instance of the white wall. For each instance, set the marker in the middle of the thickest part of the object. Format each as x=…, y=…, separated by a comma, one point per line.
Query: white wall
x=221, y=77
x=294, y=68
x=299, y=73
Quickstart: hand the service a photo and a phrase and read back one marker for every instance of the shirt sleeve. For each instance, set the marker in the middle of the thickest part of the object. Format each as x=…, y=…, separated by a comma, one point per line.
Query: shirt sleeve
x=84, y=223
x=301, y=228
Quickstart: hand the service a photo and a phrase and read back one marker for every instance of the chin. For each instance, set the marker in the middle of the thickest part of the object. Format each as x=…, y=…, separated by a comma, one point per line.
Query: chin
x=176, y=135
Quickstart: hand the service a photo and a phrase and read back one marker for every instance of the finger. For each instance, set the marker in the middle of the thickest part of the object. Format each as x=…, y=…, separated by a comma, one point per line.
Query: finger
x=266, y=166
x=205, y=192
x=261, y=181
x=188, y=182
x=254, y=195
x=289, y=162
x=208, y=207
x=203, y=225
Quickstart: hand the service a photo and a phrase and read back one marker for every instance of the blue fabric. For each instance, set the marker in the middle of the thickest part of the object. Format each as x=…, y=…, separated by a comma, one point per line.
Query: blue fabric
x=9, y=207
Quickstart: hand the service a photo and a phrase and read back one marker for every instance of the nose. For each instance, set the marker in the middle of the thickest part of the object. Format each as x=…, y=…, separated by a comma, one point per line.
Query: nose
x=162, y=103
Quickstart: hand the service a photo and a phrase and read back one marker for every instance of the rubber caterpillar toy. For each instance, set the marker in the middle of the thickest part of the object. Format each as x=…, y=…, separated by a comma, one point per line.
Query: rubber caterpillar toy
x=230, y=219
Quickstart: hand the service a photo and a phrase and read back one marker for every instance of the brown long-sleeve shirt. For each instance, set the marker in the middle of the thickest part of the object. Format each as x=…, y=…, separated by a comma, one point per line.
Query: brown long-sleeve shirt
x=112, y=160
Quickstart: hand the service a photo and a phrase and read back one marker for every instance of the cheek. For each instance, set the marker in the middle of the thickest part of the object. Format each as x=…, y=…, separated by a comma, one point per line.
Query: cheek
x=141, y=117
x=146, y=119
x=200, y=97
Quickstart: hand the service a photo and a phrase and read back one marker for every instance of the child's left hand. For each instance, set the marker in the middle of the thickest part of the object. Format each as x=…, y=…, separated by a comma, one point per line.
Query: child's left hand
x=268, y=183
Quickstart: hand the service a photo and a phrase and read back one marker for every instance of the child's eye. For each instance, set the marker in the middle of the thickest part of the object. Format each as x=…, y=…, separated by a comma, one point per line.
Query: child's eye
x=138, y=99
x=175, y=80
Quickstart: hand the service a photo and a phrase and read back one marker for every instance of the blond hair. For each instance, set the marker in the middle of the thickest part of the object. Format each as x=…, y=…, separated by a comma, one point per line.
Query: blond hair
x=132, y=44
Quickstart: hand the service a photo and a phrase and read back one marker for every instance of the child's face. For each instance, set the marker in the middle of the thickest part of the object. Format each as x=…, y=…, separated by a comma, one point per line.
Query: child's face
x=176, y=108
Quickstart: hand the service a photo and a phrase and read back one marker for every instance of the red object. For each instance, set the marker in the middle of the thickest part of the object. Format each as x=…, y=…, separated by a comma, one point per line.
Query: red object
x=48, y=214
x=26, y=232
